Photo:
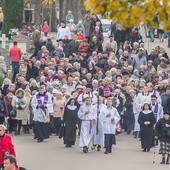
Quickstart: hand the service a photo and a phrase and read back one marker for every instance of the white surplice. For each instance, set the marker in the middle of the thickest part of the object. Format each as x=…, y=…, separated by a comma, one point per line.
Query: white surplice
x=99, y=135
x=160, y=112
x=109, y=126
x=88, y=124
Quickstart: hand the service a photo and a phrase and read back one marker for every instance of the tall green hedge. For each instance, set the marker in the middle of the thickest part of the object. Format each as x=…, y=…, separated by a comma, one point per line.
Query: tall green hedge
x=1, y=3
x=13, y=14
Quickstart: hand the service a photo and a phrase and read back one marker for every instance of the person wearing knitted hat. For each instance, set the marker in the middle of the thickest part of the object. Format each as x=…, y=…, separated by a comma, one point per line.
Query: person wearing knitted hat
x=162, y=132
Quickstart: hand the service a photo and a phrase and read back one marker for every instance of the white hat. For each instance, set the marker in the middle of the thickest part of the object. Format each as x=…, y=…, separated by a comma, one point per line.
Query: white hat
x=59, y=93
x=79, y=87
x=55, y=91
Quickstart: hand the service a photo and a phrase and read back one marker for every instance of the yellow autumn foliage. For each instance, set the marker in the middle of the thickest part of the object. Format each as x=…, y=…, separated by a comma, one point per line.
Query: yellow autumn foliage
x=132, y=12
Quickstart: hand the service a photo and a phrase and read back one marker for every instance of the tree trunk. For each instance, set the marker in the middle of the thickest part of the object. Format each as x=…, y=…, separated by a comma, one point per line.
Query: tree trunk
x=54, y=18
x=38, y=13
x=61, y=3
x=76, y=7
x=82, y=12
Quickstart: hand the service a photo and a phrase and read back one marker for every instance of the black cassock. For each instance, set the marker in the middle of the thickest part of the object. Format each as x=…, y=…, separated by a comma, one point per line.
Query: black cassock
x=146, y=131
x=70, y=120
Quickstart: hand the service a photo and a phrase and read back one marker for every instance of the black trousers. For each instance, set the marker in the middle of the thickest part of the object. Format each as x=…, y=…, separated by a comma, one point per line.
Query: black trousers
x=2, y=119
x=15, y=70
x=17, y=125
x=11, y=123
x=109, y=140
x=1, y=23
x=57, y=124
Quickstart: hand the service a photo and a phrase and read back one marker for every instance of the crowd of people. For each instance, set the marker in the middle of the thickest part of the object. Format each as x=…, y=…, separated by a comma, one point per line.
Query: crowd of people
x=83, y=84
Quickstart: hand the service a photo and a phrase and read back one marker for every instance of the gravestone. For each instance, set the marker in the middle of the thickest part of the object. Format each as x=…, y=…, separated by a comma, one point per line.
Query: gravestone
x=22, y=41
x=3, y=40
x=5, y=54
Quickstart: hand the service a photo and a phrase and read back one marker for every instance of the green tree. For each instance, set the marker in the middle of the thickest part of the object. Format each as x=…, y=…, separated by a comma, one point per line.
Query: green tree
x=1, y=3
x=13, y=14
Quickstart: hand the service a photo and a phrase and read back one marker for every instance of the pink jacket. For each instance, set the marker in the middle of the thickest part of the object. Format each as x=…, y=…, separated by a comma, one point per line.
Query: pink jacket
x=45, y=28
x=58, y=106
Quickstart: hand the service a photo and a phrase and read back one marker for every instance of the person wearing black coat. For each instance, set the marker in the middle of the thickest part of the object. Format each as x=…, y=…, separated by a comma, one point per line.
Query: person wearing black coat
x=167, y=105
x=49, y=45
x=129, y=116
x=2, y=108
x=95, y=45
x=162, y=132
x=119, y=36
x=32, y=71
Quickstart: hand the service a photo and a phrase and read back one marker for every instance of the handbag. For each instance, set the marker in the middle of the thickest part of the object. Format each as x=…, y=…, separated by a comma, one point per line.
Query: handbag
x=13, y=113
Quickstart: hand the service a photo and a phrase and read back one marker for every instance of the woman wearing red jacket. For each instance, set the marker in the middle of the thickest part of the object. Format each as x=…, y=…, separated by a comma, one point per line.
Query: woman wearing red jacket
x=6, y=145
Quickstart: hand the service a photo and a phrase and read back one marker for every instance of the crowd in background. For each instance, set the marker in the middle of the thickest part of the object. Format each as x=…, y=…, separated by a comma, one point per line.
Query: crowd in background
x=86, y=83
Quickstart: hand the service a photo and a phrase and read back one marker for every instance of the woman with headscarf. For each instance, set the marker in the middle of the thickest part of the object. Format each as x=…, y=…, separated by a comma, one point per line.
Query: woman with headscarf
x=146, y=120
x=70, y=120
x=26, y=116
x=3, y=69
x=19, y=104
x=8, y=106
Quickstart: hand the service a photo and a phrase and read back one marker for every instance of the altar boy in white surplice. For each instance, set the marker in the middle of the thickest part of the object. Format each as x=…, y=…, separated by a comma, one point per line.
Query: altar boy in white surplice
x=110, y=117
x=88, y=115
x=99, y=135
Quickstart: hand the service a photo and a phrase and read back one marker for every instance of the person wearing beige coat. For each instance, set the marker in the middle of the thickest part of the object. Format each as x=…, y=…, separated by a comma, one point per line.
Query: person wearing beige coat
x=3, y=69
x=26, y=115
x=19, y=103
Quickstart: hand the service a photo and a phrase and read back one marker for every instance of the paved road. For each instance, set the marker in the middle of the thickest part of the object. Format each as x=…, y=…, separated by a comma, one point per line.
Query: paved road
x=53, y=155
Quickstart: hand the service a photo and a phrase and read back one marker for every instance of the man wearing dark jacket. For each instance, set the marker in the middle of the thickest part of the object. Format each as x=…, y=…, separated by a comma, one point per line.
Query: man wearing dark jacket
x=162, y=131
x=166, y=98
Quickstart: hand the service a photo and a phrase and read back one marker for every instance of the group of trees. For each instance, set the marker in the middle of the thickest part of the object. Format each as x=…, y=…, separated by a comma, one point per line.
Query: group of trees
x=13, y=11
x=13, y=14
